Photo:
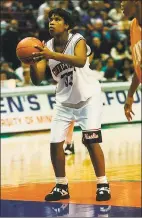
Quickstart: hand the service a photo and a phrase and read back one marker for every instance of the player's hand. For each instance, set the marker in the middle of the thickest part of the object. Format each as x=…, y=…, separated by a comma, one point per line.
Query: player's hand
x=128, y=108
x=31, y=61
x=44, y=53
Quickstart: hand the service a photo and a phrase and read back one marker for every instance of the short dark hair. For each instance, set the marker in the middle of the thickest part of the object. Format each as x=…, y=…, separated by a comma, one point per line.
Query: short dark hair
x=64, y=14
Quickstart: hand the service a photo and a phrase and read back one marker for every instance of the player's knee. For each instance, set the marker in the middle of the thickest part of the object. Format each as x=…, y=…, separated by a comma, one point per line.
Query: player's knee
x=90, y=138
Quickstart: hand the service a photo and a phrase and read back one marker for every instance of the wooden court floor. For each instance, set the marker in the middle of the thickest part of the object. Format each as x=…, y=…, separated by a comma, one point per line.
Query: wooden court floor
x=27, y=175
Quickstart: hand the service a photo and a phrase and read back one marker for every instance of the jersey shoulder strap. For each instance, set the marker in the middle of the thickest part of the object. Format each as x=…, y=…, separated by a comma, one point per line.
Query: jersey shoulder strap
x=77, y=37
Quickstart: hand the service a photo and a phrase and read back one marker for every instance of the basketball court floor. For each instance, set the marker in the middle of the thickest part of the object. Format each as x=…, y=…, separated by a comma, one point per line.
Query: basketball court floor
x=27, y=176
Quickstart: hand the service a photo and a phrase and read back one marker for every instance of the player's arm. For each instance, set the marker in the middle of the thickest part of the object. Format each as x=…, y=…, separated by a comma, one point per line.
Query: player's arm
x=37, y=71
x=134, y=85
x=77, y=60
x=129, y=100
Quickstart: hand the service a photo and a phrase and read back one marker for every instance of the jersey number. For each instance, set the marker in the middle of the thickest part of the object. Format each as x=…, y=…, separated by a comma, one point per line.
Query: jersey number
x=68, y=77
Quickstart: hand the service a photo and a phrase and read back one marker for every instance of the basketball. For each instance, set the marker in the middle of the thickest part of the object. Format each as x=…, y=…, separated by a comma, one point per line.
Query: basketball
x=25, y=48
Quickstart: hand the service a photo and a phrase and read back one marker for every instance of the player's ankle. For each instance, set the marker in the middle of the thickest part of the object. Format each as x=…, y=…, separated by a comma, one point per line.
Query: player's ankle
x=61, y=180
x=102, y=179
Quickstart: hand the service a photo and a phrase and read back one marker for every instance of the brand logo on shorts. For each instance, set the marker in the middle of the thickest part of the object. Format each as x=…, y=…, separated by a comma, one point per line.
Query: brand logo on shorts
x=92, y=136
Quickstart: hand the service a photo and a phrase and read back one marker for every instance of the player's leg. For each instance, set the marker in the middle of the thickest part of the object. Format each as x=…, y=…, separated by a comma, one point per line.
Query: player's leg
x=60, y=125
x=63, y=131
x=58, y=156
x=90, y=122
x=97, y=158
x=69, y=144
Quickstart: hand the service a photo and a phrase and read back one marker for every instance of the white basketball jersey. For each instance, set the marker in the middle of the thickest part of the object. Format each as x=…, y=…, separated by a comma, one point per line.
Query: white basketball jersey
x=74, y=84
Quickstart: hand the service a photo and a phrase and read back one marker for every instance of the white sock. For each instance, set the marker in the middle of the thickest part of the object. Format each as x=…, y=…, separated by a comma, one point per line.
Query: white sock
x=102, y=179
x=61, y=180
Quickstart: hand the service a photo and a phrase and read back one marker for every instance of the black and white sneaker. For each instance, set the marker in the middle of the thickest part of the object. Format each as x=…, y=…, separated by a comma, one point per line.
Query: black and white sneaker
x=103, y=192
x=69, y=149
x=58, y=192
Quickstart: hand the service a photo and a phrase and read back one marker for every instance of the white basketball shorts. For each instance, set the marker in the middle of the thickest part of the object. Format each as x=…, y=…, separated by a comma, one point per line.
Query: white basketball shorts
x=88, y=117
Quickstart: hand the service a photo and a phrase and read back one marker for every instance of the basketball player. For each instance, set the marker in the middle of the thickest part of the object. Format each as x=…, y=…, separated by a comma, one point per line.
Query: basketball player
x=133, y=8
x=78, y=97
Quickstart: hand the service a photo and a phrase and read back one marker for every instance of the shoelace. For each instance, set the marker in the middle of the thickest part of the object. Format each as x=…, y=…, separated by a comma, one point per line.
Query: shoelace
x=56, y=189
x=59, y=190
x=102, y=189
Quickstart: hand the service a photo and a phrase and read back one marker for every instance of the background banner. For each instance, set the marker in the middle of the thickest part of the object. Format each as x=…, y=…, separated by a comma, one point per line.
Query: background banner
x=29, y=112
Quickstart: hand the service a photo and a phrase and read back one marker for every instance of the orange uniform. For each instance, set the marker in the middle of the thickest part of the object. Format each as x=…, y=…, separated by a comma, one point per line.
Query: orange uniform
x=136, y=44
